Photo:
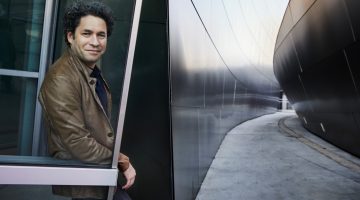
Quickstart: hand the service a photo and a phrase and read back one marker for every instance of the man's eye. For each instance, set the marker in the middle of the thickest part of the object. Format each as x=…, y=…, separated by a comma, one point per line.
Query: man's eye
x=86, y=34
x=102, y=36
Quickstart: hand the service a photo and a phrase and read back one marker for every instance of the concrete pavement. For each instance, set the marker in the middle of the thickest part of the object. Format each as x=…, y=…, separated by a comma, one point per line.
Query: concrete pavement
x=273, y=157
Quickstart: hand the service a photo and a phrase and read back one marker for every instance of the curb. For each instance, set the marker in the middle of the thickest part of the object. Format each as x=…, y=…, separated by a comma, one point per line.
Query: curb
x=326, y=152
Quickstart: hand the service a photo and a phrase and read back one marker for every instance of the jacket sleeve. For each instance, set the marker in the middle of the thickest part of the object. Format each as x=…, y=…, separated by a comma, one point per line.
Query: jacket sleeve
x=123, y=162
x=61, y=101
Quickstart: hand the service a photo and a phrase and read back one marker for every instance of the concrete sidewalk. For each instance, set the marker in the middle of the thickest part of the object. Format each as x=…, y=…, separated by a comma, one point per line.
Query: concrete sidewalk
x=273, y=157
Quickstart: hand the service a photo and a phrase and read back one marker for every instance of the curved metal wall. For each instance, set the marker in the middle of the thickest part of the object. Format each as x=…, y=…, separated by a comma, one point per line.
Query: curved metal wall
x=316, y=63
x=221, y=75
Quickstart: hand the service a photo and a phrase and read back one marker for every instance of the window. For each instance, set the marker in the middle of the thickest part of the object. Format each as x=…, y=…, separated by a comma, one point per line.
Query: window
x=30, y=42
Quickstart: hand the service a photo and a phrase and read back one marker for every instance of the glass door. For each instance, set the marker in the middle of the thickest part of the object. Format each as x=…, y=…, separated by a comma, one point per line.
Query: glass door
x=31, y=39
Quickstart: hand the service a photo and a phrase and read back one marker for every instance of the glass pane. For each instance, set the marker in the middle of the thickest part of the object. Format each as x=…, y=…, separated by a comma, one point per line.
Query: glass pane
x=17, y=102
x=21, y=24
x=26, y=192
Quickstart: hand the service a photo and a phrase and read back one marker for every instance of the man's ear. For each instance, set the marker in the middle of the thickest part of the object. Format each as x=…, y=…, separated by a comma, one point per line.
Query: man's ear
x=70, y=37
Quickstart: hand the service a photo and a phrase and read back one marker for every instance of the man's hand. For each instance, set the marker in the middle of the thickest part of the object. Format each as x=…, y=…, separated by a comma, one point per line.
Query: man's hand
x=129, y=175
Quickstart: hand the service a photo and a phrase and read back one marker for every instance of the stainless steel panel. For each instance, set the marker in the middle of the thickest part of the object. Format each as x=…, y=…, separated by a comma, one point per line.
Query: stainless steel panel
x=228, y=88
x=221, y=75
x=214, y=80
x=325, y=92
x=353, y=60
x=286, y=55
x=287, y=69
x=187, y=67
x=246, y=40
x=354, y=15
x=299, y=7
x=345, y=135
x=311, y=42
x=286, y=25
x=341, y=129
x=209, y=124
x=186, y=137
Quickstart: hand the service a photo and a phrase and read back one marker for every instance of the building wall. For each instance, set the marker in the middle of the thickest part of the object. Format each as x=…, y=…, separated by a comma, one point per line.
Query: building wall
x=316, y=63
x=220, y=76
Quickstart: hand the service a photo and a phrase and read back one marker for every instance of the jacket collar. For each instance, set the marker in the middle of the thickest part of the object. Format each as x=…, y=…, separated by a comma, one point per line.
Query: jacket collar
x=81, y=66
x=85, y=72
x=78, y=64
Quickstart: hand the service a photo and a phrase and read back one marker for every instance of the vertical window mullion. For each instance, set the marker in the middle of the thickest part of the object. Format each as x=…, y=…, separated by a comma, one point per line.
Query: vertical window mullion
x=45, y=58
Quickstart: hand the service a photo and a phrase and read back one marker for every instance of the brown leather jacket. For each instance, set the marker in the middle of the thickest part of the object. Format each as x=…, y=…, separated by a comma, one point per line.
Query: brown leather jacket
x=78, y=127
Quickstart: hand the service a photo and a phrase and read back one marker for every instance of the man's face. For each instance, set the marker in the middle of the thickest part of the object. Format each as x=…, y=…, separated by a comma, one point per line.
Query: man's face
x=89, y=40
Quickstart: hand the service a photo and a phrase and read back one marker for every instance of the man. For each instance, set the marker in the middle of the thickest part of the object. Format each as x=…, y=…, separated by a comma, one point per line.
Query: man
x=76, y=100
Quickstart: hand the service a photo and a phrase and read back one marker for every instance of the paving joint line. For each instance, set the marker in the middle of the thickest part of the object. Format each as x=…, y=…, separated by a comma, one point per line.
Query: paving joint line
x=333, y=156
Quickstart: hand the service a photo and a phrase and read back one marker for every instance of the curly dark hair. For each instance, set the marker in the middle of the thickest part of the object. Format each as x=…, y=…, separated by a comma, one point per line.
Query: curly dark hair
x=82, y=8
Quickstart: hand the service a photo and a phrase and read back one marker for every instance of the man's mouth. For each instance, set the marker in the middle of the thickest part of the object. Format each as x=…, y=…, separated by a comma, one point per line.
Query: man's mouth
x=94, y=51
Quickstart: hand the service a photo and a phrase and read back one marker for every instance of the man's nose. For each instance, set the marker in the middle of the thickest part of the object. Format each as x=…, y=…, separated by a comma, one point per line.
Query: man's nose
x=94, y=40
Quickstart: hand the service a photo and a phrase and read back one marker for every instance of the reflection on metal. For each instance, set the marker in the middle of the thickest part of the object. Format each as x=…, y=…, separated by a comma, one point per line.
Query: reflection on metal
x=322, y=127
x=316, y=63
x=221, y=75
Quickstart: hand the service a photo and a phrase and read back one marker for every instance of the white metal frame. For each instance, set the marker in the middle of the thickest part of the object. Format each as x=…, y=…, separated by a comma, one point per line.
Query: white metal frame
x=126, y=84
x=19, y=73
x=32, y=175
x=49, y=19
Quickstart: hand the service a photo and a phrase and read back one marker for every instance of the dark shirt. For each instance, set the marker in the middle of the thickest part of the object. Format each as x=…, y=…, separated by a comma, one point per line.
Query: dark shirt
x=100, y=87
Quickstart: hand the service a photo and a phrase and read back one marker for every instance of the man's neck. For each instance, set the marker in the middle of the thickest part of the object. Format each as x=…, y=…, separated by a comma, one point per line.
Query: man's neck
x=89, y=65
